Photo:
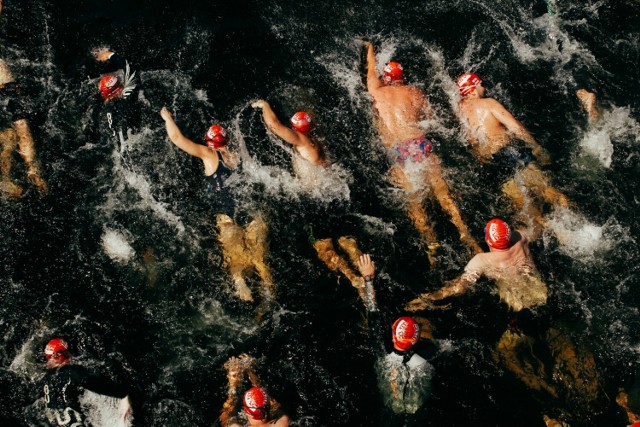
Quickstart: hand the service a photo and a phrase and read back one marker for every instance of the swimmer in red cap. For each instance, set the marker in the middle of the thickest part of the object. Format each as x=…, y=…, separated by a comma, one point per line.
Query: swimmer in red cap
x=17, y=136
x=400, y=109
x=308, y=150
x=259, y=408
x=508, y=263
x=65, y=382
x=492, y=132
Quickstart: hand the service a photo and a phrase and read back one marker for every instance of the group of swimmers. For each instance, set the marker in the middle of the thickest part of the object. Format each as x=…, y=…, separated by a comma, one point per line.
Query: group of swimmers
x=497, y=140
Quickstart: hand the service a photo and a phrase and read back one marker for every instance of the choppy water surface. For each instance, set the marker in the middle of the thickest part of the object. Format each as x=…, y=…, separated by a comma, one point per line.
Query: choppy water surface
x=121, y=257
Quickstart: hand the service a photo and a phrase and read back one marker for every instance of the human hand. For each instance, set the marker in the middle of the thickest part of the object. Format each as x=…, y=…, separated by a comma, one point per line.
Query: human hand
x=166, y=115
x=102, y=54
x=258, y=104
x=366, y=267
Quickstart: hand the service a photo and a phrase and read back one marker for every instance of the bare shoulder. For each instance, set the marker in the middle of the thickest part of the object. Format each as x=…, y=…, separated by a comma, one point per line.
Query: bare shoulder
x=477, y=263
x=283, y=421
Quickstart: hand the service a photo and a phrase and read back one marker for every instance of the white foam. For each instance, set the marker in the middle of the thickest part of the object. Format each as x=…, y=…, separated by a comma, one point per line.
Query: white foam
x=116, y=245
x=103, y=411
x=580, y=238
x=616, y=126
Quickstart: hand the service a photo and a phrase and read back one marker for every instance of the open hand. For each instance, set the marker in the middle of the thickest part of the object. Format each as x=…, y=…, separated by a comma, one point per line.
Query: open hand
x=258, y=104
x=366, y=266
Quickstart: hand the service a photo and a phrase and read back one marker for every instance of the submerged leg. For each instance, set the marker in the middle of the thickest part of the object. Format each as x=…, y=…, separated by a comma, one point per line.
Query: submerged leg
x=231, y=236
x=328, y=255
x=515, y=352
x=441, y=191
x=28, y=153
x=534, y=178
x=9, y=142
x=528, y=212
x=256, y=241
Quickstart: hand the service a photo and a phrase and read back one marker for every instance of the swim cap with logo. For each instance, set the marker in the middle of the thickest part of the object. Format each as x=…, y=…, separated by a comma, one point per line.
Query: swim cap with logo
x=393, y=72
x=405, y=333
x=216, y=137
x=301, y=122
x=467, y=82
x=256, y=403
x=497, y=233
x=110, y=87
x=55, y=347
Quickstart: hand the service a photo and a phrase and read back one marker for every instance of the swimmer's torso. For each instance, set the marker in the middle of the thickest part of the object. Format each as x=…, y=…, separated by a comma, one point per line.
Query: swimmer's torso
x=400, y=108
x=486, y=134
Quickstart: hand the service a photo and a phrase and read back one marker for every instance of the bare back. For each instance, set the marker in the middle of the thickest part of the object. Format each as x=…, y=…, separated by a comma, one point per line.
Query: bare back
x=400, y=108
x=516, y=277
x=486, y=133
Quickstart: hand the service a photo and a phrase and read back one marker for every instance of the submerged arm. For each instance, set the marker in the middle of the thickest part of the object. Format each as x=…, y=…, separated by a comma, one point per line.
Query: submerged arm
x=452, y=288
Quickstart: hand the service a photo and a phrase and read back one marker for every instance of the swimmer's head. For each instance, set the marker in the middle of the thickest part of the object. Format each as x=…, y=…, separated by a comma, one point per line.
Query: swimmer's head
x=405, y=333
x=301, y=122
x=467, y=83
x=256, y=403
x=393, y=72
x=57, y=350
x=216, y=137
x=497, y=233
x=110, y=87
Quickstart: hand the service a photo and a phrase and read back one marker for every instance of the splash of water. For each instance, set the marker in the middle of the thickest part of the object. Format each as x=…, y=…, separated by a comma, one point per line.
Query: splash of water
x=117, y=246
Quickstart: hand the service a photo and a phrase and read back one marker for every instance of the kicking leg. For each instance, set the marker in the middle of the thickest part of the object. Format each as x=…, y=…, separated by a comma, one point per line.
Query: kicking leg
x=9, y=142
x=256, y=241
x=528, y=212
x=28, y=153
x=328, y=255
x=441, y=190
x=230, y=236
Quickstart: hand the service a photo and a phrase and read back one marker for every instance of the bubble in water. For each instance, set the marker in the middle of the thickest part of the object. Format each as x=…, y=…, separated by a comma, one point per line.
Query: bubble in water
x=103, y=410
x=115, y=244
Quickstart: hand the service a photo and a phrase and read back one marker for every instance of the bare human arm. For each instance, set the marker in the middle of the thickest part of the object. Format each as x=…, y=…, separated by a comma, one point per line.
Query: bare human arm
x=368, y=271
x=179, y=139
x=514, y=126
x=237, y=369
x=373, y=80
x=275, y=126
x=458, y=286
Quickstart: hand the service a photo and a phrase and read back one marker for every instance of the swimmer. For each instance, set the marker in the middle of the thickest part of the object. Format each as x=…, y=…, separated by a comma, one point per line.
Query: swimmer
x=404, y=377
x=243, y=249
x=336, y=262
x=623, y=400
x=510, y=266
x=589, y=102
x=491, y=130
x=308, y=151
x=400, y=108
x=15, y=133
x=64, y=383
x=508, y=263
x=217, y=159
x=260, y=409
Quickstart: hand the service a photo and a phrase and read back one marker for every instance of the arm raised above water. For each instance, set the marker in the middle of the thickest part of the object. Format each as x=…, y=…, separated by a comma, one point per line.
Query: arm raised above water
x=179, y=139
x=373, y=80
x=273, y=123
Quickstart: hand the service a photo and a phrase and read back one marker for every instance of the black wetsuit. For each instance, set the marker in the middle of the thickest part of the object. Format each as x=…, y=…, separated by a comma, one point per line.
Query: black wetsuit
x=13, y=104
x=62, y=389
x=222, y=199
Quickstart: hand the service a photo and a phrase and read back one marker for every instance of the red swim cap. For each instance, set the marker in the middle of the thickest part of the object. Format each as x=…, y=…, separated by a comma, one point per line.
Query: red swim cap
x=110, y=87
x=393, y=72
x=54, y=347
x=497, y=233
x=216, y=137
x=405, y=333
x=301, y=121
x=467, y=82
x=256, y=403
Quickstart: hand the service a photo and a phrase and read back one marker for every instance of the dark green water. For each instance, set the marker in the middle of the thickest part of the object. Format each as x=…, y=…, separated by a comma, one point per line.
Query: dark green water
x=206, y=62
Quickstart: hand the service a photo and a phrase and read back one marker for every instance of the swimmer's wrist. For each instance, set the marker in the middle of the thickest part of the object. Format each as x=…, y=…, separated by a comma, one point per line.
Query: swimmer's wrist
x=368, y=279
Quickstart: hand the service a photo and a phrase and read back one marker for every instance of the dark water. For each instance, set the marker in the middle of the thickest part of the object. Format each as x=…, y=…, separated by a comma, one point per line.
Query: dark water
x=206, y=62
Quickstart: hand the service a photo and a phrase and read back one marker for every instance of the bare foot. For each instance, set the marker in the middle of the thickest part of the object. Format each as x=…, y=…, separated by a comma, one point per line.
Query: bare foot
x=41, y=186
x=242, y=290
x=589, y=103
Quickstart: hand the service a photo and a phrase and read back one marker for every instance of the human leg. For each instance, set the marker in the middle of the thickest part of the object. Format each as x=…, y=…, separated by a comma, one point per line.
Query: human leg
x=256, y=241
x=28, y=153
x=231, y=236
x=9, y=142
x=433, y=175
x=327, y=254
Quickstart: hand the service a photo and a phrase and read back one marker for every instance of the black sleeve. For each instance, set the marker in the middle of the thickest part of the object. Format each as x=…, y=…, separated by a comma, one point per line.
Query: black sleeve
x=377, y=337
x=98, y=384
x=98, y=68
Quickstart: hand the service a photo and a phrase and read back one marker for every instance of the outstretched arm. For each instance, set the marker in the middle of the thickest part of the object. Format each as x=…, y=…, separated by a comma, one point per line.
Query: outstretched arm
x=237, y=368
x=452, y=288
x=274, y=125
x=179, y=139
x=373, y=80
x=518, y=129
